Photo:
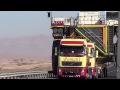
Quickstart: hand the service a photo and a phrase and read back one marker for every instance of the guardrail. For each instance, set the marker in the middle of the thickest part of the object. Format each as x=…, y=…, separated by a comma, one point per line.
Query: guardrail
x=28, y=75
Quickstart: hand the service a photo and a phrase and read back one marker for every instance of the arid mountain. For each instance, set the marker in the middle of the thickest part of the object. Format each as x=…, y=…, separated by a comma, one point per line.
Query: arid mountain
x=33, y=47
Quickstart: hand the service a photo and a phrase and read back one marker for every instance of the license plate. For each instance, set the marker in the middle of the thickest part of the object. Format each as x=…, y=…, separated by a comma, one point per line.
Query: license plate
x=70, y=76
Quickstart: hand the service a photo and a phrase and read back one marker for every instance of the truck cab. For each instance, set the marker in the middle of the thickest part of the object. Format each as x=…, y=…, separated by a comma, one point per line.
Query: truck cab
x=73, y=58
x=92, y=54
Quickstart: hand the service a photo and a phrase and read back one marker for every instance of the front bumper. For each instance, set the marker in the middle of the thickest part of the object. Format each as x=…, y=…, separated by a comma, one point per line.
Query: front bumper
x=72, y=72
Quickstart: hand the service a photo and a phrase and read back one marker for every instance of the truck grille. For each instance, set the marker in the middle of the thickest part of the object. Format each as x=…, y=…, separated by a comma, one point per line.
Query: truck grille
x=71, y=63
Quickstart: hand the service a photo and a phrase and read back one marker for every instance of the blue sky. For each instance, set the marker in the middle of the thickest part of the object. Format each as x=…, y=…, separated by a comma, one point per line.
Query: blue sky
x=27, y=23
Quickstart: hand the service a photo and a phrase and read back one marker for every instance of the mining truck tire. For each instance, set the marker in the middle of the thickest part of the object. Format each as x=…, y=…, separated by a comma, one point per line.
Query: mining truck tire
x=56, y=43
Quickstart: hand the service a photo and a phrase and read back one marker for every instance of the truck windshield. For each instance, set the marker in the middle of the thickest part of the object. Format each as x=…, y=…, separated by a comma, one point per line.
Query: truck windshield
x=72, y=51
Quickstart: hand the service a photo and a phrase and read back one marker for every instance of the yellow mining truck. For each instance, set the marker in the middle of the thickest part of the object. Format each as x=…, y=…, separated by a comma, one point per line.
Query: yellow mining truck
x=89, y=25
x=73, y=58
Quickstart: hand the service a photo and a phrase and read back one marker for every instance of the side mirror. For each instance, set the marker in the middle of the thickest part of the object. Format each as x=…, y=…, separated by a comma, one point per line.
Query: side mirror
x=88, y=50
x=90, y=56
x=92, y=50
x=85, y=48
x=96, y=53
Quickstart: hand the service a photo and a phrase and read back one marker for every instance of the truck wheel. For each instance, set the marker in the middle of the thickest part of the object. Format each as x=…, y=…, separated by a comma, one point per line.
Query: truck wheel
x=55, y=58
x=105, y=72
x=90, y=76
x=99, y=75
x=90, y=73
x=93, y=77
x=87, y=76
x=54, y=66
x=102, y=73
x=96, y=77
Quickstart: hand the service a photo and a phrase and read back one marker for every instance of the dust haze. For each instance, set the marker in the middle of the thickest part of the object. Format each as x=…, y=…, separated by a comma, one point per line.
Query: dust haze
x=25, y=53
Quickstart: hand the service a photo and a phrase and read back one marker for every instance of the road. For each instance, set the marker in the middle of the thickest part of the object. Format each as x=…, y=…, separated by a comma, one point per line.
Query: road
x=111, y=70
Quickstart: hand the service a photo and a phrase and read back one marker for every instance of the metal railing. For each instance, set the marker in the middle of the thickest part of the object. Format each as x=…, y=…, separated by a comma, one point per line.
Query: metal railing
x=91, y=20
x=28, y=75
x=79, y=32
x=93, y=35
x=81, y=20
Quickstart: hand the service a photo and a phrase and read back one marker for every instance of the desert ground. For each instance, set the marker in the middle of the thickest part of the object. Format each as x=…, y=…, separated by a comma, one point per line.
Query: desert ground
x=20, y=66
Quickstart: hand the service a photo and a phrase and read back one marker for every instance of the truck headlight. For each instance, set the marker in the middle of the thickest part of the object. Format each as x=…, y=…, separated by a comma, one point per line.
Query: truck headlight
x=82, y=72
x=92, y=70
x=60, y=70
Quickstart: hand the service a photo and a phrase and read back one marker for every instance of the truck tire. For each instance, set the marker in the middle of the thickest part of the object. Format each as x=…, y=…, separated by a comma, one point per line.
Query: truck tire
x=56, y=43
x=54, y=65
x=105, y=72
x=96, y=77
x=102, y=73
x=89, y=73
